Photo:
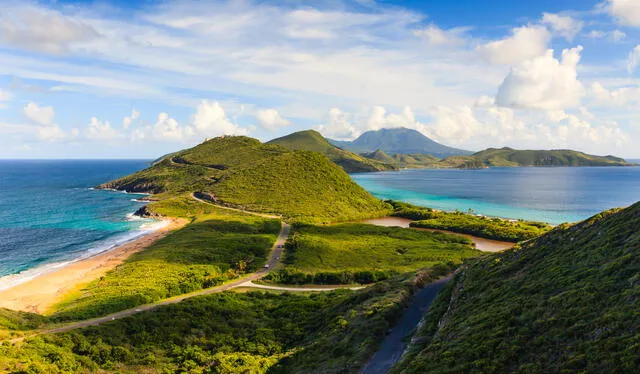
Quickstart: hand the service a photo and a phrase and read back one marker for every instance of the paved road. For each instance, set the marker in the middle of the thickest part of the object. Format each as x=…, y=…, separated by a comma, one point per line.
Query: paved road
x=394, y=345
x=247, y=281
x=193, y=196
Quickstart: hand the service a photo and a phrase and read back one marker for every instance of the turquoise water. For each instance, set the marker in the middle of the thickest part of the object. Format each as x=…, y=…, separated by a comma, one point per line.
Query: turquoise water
x=50, y=216
x=553, y=195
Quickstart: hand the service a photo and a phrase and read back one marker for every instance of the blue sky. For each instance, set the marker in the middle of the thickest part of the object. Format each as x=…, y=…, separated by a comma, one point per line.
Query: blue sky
x=105, y=79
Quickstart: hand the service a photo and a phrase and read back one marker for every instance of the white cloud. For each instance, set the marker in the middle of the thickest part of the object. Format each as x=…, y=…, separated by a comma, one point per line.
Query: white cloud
x=624, y=96
x=483, y=127
x=101, y=130
x=565, y=26
x=434, y=35
x=39, y=115
x=525, y=43
x=341, y=125
x=126, y=121
x=337, y=126
x=627, y=12
x=543, y=83
x=271, y=119
x=45, y=129
x=614, y=36
x=633, y=59
x=168, y=129
x=42, y=30
x=210, y=120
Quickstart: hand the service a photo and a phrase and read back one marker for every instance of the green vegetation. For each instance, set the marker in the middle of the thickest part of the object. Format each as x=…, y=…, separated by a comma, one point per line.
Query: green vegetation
x=242, y=172
x=311, y=140
x=214, y=248
x=508, y=157
x=13, y=323
x=256, y=332
x=567, y=301
x=362, y=253
x=464, y=223
x=398, y=160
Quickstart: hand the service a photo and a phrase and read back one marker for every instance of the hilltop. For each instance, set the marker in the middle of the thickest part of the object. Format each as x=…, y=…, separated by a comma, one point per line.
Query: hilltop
x=242, y=172
x=509, y=157
x=567, y=301
x=311, y=140
x=398, y=140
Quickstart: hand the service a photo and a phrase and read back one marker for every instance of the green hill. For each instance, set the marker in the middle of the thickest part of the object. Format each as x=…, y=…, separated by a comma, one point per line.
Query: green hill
x=244, y=173
x=399, y=160
x=398, y=140
x=505, y=157
x=567, y=301
x=311, y=140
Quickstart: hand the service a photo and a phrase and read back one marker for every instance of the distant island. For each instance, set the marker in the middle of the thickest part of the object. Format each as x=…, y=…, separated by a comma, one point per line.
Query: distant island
x=409, y=149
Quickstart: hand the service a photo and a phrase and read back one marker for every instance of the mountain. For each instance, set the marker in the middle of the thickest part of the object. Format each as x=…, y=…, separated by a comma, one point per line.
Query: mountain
x=567, y=301
x=399, y=140
x=242, y=172
x=494, y=157
x=311, y=140
x=413, y=161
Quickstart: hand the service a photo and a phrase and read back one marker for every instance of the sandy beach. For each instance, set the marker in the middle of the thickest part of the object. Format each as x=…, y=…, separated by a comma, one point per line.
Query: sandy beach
x=41, y=293
x=485, y=245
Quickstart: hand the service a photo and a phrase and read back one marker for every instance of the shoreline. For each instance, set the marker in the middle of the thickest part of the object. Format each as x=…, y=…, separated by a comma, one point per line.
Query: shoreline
x=39, y=294
x=482, y=244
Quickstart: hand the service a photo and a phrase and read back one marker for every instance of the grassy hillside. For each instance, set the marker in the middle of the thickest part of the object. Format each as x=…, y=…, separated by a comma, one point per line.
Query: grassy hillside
x=362, y=253
x=311, y=140
x=245, y=173
x=256, y=332
x=508, y=157
x=398, y=160
x=565, y=302
x=216, y=247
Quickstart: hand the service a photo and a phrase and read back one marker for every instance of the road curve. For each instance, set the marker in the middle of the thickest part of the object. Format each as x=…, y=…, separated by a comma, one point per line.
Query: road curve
x=274, y=258
x=264, y=215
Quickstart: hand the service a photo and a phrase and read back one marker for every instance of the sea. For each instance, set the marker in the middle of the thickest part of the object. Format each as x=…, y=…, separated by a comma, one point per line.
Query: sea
x=554, y=195
x=50, y=215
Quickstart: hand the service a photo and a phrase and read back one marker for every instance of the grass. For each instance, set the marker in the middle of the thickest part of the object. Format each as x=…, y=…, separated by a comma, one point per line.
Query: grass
x=214, y=248
x=565, y=302
x=242, y=172
x=255, y=332
x=362, y=253
x=463, y=223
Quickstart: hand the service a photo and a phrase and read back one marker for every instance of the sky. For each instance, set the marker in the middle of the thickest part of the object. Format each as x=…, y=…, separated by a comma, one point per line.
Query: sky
x=108, y=79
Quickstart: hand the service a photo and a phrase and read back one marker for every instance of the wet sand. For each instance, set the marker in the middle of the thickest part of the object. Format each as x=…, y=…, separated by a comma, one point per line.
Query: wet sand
x=39, y=294
x=485, y=245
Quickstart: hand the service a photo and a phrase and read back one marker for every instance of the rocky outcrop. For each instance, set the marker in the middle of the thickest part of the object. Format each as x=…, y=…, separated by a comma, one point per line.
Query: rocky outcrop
x=145, y=212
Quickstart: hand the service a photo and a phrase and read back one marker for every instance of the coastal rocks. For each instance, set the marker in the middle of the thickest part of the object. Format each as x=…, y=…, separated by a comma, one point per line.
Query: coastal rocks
x=145, y=212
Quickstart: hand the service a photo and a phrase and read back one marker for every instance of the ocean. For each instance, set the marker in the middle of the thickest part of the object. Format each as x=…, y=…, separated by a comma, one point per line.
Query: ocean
x=49, y=215
x=553, y=195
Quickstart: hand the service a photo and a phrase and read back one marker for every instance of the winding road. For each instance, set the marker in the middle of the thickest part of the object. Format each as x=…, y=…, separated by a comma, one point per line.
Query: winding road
x=246, y=281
